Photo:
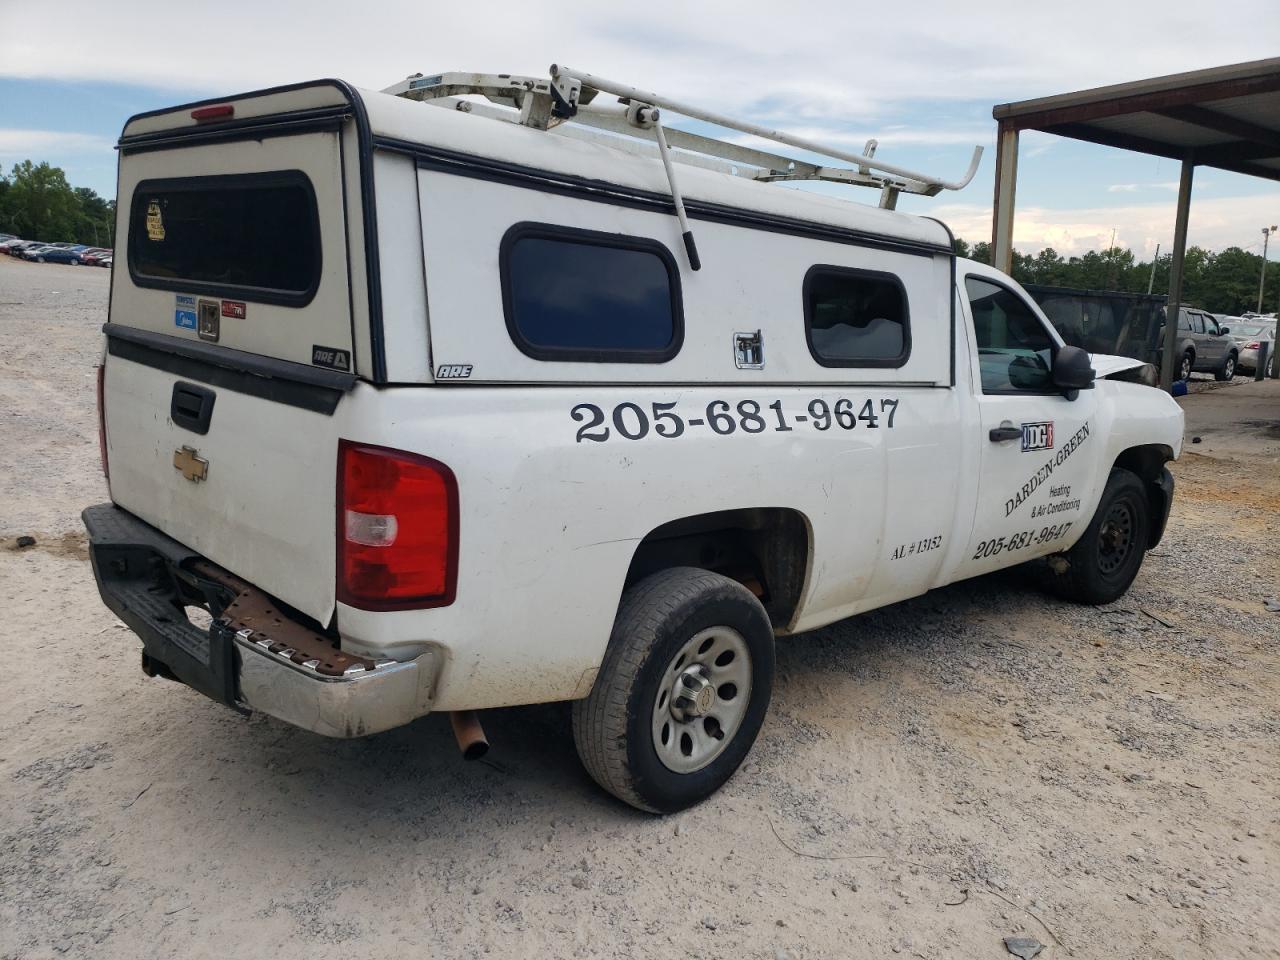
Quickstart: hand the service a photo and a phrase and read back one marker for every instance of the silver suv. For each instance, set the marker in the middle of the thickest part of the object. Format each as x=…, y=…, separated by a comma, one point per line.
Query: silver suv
x=1204, y=346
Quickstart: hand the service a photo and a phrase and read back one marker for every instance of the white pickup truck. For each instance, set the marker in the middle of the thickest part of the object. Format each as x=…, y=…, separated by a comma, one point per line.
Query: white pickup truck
x=409, y=410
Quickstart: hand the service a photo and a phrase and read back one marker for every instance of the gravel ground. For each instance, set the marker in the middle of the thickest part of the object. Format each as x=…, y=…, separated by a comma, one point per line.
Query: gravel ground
x=981, y=763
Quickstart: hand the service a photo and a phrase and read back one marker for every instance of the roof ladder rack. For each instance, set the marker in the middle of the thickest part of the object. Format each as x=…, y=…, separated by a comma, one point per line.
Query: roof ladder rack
x=565, y=103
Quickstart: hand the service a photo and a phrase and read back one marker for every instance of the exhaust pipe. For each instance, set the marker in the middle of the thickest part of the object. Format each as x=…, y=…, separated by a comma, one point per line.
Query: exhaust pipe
x=470, y=735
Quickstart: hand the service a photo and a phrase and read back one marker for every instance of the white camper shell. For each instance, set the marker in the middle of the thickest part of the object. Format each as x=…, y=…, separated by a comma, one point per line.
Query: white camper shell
x=431, y=411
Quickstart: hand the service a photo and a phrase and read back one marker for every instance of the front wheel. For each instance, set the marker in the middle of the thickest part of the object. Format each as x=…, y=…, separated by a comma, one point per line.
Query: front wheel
x=1102, y=565
x=1188, y=361
x=1228, y=369
x=682, y=692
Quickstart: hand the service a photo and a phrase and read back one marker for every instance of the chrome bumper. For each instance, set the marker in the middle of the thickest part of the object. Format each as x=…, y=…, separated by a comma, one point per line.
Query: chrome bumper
x=358, y=703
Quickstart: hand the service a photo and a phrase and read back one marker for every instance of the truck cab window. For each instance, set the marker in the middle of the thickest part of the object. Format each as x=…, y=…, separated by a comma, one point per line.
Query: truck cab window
x=856, y=318
x=1015, y=352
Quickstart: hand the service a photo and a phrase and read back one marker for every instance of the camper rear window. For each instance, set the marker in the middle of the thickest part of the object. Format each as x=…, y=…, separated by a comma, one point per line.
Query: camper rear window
x=856, y=318
x=583, y=295
x=253, y=236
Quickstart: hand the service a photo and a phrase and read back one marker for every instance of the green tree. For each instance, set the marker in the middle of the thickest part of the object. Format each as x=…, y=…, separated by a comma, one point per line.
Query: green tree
x=39, y=203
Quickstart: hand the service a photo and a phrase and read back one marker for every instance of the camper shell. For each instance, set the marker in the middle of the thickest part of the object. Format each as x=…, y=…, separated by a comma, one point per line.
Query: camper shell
x=406, y=410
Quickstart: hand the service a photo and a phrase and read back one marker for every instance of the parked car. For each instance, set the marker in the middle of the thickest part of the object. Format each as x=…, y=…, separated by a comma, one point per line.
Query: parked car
x=9, y=243
x=1203, y=345
x=14, y=248
x=1249, y=335
x=94, y=258
x=52, y=254
x=602, y=477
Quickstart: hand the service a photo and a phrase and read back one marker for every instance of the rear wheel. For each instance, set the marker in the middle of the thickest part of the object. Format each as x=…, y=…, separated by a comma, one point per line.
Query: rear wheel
x=682, y=692
x=1104, y=562
x=1228, y=368
x=1188, y=362
x=39, y=259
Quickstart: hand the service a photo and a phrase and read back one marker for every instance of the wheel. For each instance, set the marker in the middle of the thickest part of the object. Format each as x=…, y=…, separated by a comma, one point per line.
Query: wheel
x=1228, y=368
x=39, y=259
x=682, y=691
x=1188, y=361
x=1103, y=563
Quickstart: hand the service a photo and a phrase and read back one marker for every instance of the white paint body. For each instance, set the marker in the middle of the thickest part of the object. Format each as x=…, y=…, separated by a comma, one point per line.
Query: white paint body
x=548, y=524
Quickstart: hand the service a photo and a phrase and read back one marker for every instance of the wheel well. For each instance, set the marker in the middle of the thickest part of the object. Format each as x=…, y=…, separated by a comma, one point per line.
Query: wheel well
x=1147, y=461
x=764, y=548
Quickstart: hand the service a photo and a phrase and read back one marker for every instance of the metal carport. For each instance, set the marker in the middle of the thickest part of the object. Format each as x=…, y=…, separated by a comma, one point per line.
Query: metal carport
x=1225, y=117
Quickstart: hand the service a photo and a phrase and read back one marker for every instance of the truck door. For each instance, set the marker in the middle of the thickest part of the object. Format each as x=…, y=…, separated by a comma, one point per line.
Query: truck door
x=1037, y=445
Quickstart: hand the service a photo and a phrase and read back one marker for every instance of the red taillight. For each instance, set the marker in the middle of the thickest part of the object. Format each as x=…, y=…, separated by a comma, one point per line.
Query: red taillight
x=397, y=529
x=102, y=419
x=1253, y=345
x=221, y=111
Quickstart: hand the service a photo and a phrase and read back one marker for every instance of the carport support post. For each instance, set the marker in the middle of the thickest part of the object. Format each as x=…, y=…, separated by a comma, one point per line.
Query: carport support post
x=1006, y=187
x=1175, y=275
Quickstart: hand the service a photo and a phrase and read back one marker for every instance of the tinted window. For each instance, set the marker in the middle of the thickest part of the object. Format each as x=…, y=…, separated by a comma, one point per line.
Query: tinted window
x=1015, y=352
x=583, y=295
x=856, y=318
x=255, y=235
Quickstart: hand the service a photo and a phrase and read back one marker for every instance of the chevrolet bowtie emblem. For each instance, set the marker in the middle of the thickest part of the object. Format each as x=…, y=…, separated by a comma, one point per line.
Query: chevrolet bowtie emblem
x=192, y=466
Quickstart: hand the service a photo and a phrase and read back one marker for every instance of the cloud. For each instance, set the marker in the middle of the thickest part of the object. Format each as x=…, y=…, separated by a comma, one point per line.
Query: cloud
x=812, y=59
x=1215, y=223
x=41, y=143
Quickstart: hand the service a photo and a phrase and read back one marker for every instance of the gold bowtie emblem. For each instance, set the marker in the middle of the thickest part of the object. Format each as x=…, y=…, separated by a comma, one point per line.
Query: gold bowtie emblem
x=192, y=466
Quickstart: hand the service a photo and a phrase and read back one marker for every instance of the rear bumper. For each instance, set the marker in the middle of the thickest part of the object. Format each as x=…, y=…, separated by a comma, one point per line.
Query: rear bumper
x=244, y=659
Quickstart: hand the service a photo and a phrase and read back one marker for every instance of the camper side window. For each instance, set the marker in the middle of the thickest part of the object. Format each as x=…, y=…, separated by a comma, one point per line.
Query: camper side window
x=588, y=296
x=856, y=318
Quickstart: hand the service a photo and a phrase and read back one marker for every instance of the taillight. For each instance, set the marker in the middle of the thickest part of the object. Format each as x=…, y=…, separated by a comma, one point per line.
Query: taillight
x=397, y=529
x=1253, y=345
x=102, y=419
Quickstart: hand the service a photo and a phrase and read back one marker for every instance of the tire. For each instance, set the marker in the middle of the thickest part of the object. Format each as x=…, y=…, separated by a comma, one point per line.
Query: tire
x=39, y=259
x=1188, y=364
x=1103, y=563
x=635, y=737
x=1228, y=369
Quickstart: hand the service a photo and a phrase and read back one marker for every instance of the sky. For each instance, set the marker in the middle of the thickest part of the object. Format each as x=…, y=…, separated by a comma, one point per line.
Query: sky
x=923, y=83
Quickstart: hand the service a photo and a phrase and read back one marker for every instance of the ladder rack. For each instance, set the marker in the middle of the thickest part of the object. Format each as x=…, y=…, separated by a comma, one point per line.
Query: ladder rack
x=571, y=95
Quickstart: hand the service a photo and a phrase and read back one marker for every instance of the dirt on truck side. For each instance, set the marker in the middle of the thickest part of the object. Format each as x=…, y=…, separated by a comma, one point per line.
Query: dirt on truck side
x=981, y=763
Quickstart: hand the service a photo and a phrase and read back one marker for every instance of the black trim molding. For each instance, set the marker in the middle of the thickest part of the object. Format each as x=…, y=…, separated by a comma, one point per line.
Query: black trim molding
x=601, y=191
x=281, y=381
x=830, y=270
x=548, y=231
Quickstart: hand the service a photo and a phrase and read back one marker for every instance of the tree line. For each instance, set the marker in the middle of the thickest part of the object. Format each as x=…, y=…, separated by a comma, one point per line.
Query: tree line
x=1225, y=282
x=37, y=203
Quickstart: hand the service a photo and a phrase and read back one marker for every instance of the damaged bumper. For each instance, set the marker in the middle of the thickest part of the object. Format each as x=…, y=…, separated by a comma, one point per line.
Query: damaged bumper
x=251, y=655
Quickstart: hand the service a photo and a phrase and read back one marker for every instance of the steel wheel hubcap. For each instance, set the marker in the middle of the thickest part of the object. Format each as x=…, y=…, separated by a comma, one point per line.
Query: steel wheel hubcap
x=702, y=699
x=1115, y=537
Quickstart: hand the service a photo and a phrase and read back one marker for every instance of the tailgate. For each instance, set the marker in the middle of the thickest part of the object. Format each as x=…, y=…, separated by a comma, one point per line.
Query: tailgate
x=255, y=493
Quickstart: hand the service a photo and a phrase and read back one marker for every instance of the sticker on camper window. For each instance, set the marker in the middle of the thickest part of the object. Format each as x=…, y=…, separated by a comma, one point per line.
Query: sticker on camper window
x=155, y=223
x=184, y=312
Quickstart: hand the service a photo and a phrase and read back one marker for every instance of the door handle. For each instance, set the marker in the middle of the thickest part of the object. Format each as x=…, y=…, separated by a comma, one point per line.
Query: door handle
x=1005, y=431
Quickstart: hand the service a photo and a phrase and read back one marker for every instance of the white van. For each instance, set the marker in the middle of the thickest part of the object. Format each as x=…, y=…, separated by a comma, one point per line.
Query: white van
x=408, y=409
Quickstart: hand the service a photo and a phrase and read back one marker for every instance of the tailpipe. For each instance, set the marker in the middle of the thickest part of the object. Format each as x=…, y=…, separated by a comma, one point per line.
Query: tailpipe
x=470, y=735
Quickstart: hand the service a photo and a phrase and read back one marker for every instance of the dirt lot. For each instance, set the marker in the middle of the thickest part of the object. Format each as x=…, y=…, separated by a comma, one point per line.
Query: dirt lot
x=980, y=763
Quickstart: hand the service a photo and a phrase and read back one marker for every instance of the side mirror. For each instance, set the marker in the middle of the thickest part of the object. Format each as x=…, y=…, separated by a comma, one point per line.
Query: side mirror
x=1224, y=330
x=1072, y=371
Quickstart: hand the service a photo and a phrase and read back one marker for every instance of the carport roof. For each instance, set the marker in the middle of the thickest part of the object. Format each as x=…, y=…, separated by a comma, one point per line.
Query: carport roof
x=1225, y=117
